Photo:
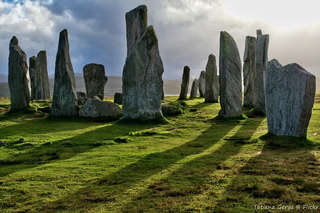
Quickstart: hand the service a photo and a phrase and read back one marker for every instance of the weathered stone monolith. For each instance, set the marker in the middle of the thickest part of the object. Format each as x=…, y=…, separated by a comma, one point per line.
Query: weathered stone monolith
x=33, y=77
x=230, y=68
x=18, y=78
x=194, y=89
x=290, y=94
x=42, y=85
x=136, y=23
x=249, y=70
x=212, y=86
x=142, y=84
x=95, y=80
x=117, y=98
x=202, y=83
x=65, y=101
x=82, y=98
x=185, y=83
x=262, y=47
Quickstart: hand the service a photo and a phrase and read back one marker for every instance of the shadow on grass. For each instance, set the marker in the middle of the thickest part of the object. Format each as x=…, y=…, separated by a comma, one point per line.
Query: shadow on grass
x=286, y=172
x=203, y=104
x=40, y=124
x=64, y=149
x=191, y=179
x=110, y=188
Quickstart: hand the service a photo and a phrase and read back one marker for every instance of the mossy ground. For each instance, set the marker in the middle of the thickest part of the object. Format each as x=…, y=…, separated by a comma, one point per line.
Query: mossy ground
x=193, y=163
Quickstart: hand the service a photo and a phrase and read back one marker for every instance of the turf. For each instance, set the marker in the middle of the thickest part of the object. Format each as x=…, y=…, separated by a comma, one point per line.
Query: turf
x=193, y=163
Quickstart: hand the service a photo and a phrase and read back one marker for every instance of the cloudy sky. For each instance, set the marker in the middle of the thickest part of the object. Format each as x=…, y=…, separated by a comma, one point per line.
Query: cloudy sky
x=188, y=30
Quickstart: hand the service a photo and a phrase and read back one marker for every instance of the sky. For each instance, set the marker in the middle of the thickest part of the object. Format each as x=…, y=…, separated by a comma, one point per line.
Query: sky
x=188, y=30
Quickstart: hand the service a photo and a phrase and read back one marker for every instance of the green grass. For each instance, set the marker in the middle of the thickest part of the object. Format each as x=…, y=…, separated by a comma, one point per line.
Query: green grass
x=193, y=163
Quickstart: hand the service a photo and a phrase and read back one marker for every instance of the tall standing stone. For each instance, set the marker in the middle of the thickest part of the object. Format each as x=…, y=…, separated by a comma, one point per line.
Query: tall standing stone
x=212, y=86
x=42, y=86
x=185, y=83
x=136, y=23
x=65, y=101
x=95, y=80
x=18, y=78
x=249, y=70
x=230, y=78
x=202, y=83
x=117, y=99
x=142, y=83
x=290, y=94
x=194, y=89
x=33, y=77
x=262, y=47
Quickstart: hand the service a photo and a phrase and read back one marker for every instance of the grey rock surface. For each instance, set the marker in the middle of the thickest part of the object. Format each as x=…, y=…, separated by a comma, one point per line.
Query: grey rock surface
x=290, y=95
x=249, y=70
x=202, y=83
x=230, y=67
x=18, y=78
x=117, y=98
x=259, y=32
x=262, y=47
x=65, y=101
x=136, y=23
x=42, y=85
x=82, y=98
x=94, y=108
x=212, y=79
x=194, y=89
x=33, y=78
x=142, y=84
x=95, y=80
x=185, y=83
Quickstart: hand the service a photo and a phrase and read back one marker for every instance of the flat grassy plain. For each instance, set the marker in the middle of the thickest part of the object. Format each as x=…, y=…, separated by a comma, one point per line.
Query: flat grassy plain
x=193, y=163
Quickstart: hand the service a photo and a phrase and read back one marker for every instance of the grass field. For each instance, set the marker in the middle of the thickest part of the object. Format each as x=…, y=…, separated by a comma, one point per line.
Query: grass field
x=193, y=163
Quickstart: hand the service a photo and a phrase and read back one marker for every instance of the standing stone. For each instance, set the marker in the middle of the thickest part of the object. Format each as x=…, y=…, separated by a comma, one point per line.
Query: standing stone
x=137, y=23
x=162, y=95
x=194, y=89
x=262, y=47
x=142, y=83
x=33, y=77
x=42, y=90
x=230, y=78
x=82, y=98
x=185, y=83
x=202, y=83
x=212, y=85
x=18, y=78
x=117, y=98
x=290, y=93
x=65, y=100
x=249, y=70
x=40, y=87
x=217, y=84
x=95, y=80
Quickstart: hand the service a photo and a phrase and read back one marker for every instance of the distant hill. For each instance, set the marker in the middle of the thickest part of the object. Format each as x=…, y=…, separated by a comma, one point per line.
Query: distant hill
x=171, y=87
x=3, y=78
x=114, y=84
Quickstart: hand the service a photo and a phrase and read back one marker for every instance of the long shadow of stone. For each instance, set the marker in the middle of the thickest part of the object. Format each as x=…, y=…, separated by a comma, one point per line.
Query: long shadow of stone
x=109, y=188
x=191, y=179
x=35, y=124
x=203, y=104
x=284, y=175
x=65, y=149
